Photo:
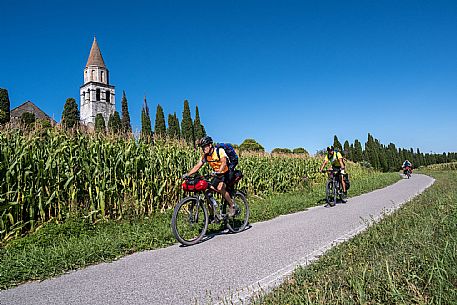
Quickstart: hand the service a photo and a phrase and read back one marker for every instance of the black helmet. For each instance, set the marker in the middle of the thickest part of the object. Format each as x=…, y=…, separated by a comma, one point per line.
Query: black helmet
x=330, y=148
x=205, y=141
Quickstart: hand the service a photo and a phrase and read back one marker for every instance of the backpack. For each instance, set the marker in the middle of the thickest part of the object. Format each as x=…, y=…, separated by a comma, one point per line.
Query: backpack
x=231, y=154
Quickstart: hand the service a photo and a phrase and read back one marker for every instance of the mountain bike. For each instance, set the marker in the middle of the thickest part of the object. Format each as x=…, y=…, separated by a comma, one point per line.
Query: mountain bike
x=407, y=171
x=191, y=215
x=334, y=188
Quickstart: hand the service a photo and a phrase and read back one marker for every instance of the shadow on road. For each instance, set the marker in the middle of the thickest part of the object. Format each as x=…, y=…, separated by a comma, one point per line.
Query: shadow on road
x=211, y=233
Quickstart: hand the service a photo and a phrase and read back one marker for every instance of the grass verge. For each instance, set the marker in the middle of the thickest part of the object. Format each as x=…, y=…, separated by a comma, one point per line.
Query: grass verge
x=57, y=248
x=410, y=257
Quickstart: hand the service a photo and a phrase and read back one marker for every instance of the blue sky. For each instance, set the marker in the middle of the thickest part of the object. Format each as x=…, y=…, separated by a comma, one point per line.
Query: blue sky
x=286, y=73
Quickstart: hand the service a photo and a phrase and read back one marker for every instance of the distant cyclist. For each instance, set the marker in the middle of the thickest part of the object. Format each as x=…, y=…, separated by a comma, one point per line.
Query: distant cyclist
x=407, y=168
x=218, y=160
x=406, y=164
x=337, y=162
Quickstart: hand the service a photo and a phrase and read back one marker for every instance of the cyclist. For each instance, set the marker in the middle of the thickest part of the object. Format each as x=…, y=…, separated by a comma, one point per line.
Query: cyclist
x=219, y=163
x=337, y=163
x=407, y=166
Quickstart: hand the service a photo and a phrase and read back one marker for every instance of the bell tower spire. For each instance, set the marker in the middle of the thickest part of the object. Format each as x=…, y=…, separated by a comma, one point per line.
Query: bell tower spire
x=97, y=95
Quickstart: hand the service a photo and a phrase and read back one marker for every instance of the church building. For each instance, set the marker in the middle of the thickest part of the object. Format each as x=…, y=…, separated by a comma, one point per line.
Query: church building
x=97, y=95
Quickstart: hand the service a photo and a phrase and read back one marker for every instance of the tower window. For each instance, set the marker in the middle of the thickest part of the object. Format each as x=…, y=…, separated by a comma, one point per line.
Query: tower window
x=97, y=95
x=102, y=76
x=108, y=96
x=92, y=75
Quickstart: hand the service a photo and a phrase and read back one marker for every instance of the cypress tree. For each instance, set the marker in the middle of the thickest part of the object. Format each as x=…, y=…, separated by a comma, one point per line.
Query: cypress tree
x=178, y=128
x=337, y=144
x=358, y=153
x=372, y=153
x=125, y=121
x=146, y=130
x=187, y=127
x=383, y=163
x=198, y=127
x=114, y=123
x=100, y=125
x=70, y=114
x=347, y=150
x=4, y=106
x=160, y=129
x=173, y=127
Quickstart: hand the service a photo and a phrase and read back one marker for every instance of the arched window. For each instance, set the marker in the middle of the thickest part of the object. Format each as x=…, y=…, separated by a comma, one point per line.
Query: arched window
x=108, y=96
x=97, y=95
x=102, y=76
x=92, y=75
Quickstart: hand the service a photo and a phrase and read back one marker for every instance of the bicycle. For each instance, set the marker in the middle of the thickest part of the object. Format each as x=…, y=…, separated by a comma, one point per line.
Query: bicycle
x=190, y=219
x=407, y=171
x=334, y=188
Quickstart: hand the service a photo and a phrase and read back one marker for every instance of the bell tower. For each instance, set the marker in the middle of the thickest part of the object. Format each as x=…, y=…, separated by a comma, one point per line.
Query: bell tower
x=97, y=95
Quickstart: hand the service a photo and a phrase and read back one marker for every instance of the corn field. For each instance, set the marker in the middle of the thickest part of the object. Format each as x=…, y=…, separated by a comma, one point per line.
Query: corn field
x=443, y=166
x=51, y=175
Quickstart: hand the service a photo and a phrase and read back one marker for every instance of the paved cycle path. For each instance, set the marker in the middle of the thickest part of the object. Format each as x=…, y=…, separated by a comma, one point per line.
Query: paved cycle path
x=230, y=266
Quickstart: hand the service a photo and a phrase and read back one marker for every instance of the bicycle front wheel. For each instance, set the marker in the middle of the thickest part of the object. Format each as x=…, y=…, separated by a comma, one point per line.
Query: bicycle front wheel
x=238, y=222
x=330, y=193
x=189, y=221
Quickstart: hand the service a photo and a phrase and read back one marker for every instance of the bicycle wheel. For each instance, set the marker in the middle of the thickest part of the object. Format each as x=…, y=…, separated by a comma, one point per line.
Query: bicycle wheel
x=189, y=221
x=330, y=193
x=238, y=222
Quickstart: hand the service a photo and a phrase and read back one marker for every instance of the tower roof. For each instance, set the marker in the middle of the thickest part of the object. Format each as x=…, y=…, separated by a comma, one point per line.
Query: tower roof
x=95, y=56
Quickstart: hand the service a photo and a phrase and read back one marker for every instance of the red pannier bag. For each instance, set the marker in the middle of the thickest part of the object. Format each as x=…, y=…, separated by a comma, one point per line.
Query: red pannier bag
x=196, y=184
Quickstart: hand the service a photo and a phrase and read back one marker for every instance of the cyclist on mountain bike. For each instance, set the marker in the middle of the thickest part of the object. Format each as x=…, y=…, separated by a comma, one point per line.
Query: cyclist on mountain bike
x=337, y=163
x=218, y=160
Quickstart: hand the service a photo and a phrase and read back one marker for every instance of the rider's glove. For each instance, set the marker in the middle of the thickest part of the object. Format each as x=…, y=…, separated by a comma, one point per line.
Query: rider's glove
x=185, y=176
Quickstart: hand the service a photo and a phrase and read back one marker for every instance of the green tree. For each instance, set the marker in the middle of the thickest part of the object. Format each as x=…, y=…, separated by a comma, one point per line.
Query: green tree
x=27, y=119
x=337, y=144
x=281, y=151
x=371, y=152
x=146, y=130
x=358, y=152
x=4, y=106
x=347, y=150
x=125, y=121
x=187, y=128
x=114, y=123
x=173, y=130
x=300, y=150
x=160, y=129
x=251, y=145
x=178, y=128
x=100, y=125
x=199, y=130
x=70, y=114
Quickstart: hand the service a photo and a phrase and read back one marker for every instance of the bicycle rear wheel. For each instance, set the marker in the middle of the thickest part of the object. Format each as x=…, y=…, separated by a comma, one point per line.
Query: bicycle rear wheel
x=189, y=221
x=238, y=222
x=330, y=192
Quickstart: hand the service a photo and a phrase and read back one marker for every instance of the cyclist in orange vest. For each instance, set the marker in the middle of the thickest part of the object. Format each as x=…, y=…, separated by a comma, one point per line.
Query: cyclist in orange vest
x=218, y=160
